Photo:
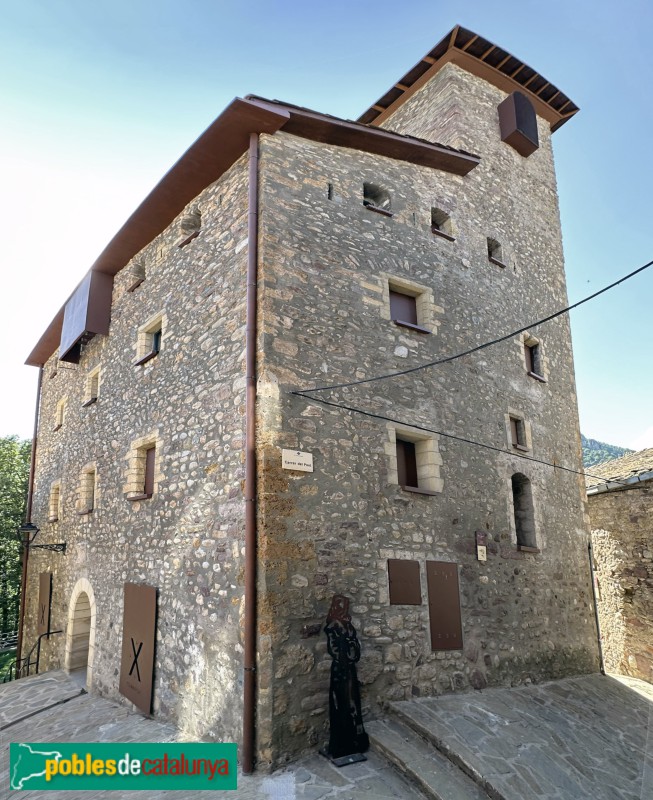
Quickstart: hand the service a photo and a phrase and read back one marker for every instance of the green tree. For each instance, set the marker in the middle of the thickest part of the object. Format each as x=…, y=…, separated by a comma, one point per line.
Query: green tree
x=14, y=476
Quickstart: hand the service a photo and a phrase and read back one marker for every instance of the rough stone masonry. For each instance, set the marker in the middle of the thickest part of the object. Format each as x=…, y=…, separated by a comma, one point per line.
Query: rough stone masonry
x=328, y=265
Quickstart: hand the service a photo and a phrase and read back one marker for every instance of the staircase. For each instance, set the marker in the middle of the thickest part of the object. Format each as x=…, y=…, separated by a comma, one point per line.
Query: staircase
x=411, y=746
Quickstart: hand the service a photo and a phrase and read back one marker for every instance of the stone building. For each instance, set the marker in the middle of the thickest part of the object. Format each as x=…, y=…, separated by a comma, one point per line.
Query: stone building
x=620, y=502
x=288, y=250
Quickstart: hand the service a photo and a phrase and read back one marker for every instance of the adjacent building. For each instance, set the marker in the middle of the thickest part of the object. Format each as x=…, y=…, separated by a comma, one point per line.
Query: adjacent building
x=620, y=501
x=203, y=499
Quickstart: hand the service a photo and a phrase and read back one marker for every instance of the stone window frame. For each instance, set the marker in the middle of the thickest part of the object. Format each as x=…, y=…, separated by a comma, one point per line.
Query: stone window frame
x=442, y=224
x=92, y=386
x=54, y=501
x=525, y=340
x=60, y=414
x=146, y=340
x=87, y=494
x=527, y=445
x=427, y=455
x=427, y=310
x=134, y=485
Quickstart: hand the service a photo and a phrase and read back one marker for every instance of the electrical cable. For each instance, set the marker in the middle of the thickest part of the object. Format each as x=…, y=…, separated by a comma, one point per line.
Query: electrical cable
x=448, y=435
x=448, y=359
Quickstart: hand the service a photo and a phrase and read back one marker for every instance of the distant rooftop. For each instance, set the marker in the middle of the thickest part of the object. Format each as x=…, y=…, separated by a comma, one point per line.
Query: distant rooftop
x=629, y=469
x=486, y=60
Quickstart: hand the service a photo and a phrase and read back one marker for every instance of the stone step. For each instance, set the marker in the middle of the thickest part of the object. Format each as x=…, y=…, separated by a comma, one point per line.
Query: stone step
x=421, y=763
x=418, y=718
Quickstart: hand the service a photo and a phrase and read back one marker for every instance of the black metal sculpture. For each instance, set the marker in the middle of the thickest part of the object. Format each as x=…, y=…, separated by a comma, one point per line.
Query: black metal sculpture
x=347, y=737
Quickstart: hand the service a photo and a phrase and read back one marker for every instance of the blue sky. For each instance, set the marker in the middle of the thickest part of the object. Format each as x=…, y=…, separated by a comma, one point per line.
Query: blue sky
x=100, y=99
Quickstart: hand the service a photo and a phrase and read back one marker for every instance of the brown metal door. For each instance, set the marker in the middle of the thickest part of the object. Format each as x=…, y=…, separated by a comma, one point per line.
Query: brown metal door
x=444, y=605
x=138, y=637
x=45, y=601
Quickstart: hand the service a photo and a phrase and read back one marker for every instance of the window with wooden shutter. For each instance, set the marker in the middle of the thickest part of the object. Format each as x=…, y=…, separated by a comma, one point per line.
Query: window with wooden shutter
x=148, y=488
x=404, y=583
x=403, y=308
x=518, y=433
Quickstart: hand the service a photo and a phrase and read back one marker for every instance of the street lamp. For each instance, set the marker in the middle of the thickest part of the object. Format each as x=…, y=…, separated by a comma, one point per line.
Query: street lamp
x=29, y=531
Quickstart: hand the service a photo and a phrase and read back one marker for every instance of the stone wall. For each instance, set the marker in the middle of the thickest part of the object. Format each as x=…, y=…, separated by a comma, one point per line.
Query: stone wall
x=187, y=539
x=326, y=261
x=622, y=539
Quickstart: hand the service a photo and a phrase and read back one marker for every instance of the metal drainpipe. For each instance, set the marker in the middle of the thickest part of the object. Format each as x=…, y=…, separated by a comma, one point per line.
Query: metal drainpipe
x=590, y=553
x=28, y=518
x=249, y=678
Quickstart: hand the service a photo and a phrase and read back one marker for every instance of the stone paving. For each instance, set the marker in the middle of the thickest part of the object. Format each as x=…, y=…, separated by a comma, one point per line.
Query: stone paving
x=52, y=707
x=586, y=737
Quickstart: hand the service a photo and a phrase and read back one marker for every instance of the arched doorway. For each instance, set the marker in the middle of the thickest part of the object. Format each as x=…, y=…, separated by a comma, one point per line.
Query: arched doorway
x=80, y=633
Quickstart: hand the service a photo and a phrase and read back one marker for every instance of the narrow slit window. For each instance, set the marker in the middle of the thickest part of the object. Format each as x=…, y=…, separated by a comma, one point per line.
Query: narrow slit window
x=87, y=492
x=150, y=340
x=406, y=464
x=60, y=414
x=92, y=387
x=518, y=433
x=143, y=464
x=55, y=503
x=533, y=359
x=148, y=484
x=330, y=191
x=522, y=499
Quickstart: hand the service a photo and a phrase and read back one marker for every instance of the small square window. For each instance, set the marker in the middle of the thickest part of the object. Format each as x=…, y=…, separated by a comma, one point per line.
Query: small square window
x=495, y=253
x=403, y=308
x=377, y=199
x=441, y=224
x=414, y=460
x=408, y=307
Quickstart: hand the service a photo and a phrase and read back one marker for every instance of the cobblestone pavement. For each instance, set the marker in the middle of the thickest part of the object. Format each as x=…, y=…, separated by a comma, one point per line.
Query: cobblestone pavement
x=51, y=707
x=586, y=737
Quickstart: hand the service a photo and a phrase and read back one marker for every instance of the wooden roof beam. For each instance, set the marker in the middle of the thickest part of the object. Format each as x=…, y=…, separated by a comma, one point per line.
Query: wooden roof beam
x=470, y=42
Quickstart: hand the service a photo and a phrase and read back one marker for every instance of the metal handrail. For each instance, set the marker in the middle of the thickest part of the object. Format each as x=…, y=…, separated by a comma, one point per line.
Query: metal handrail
x=22, y=667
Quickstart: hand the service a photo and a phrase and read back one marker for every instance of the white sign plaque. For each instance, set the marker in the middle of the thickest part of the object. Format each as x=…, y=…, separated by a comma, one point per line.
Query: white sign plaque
x=481, y=552
x=295, y=459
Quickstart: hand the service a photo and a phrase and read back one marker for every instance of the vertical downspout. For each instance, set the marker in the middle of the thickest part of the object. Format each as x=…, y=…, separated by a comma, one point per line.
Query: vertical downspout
x=249, y=678
x=590, y=552
x=28, y=518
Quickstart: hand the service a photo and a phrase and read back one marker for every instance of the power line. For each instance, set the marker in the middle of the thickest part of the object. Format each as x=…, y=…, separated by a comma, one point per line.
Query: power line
x=447, y=359
x=448, y=435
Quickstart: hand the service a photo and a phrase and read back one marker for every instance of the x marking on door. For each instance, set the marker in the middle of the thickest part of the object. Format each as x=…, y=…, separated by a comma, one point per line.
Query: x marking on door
x=135, y=661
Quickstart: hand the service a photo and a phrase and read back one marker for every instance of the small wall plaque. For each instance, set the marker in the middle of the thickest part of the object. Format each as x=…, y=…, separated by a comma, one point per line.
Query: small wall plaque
x=481, y=552
x=295, y=459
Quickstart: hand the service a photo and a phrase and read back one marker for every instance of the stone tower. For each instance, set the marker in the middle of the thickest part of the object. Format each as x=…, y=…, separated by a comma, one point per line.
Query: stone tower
x=430, y=498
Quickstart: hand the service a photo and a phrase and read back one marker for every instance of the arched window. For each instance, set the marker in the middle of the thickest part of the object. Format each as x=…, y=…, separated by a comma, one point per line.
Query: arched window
x=522, y=501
